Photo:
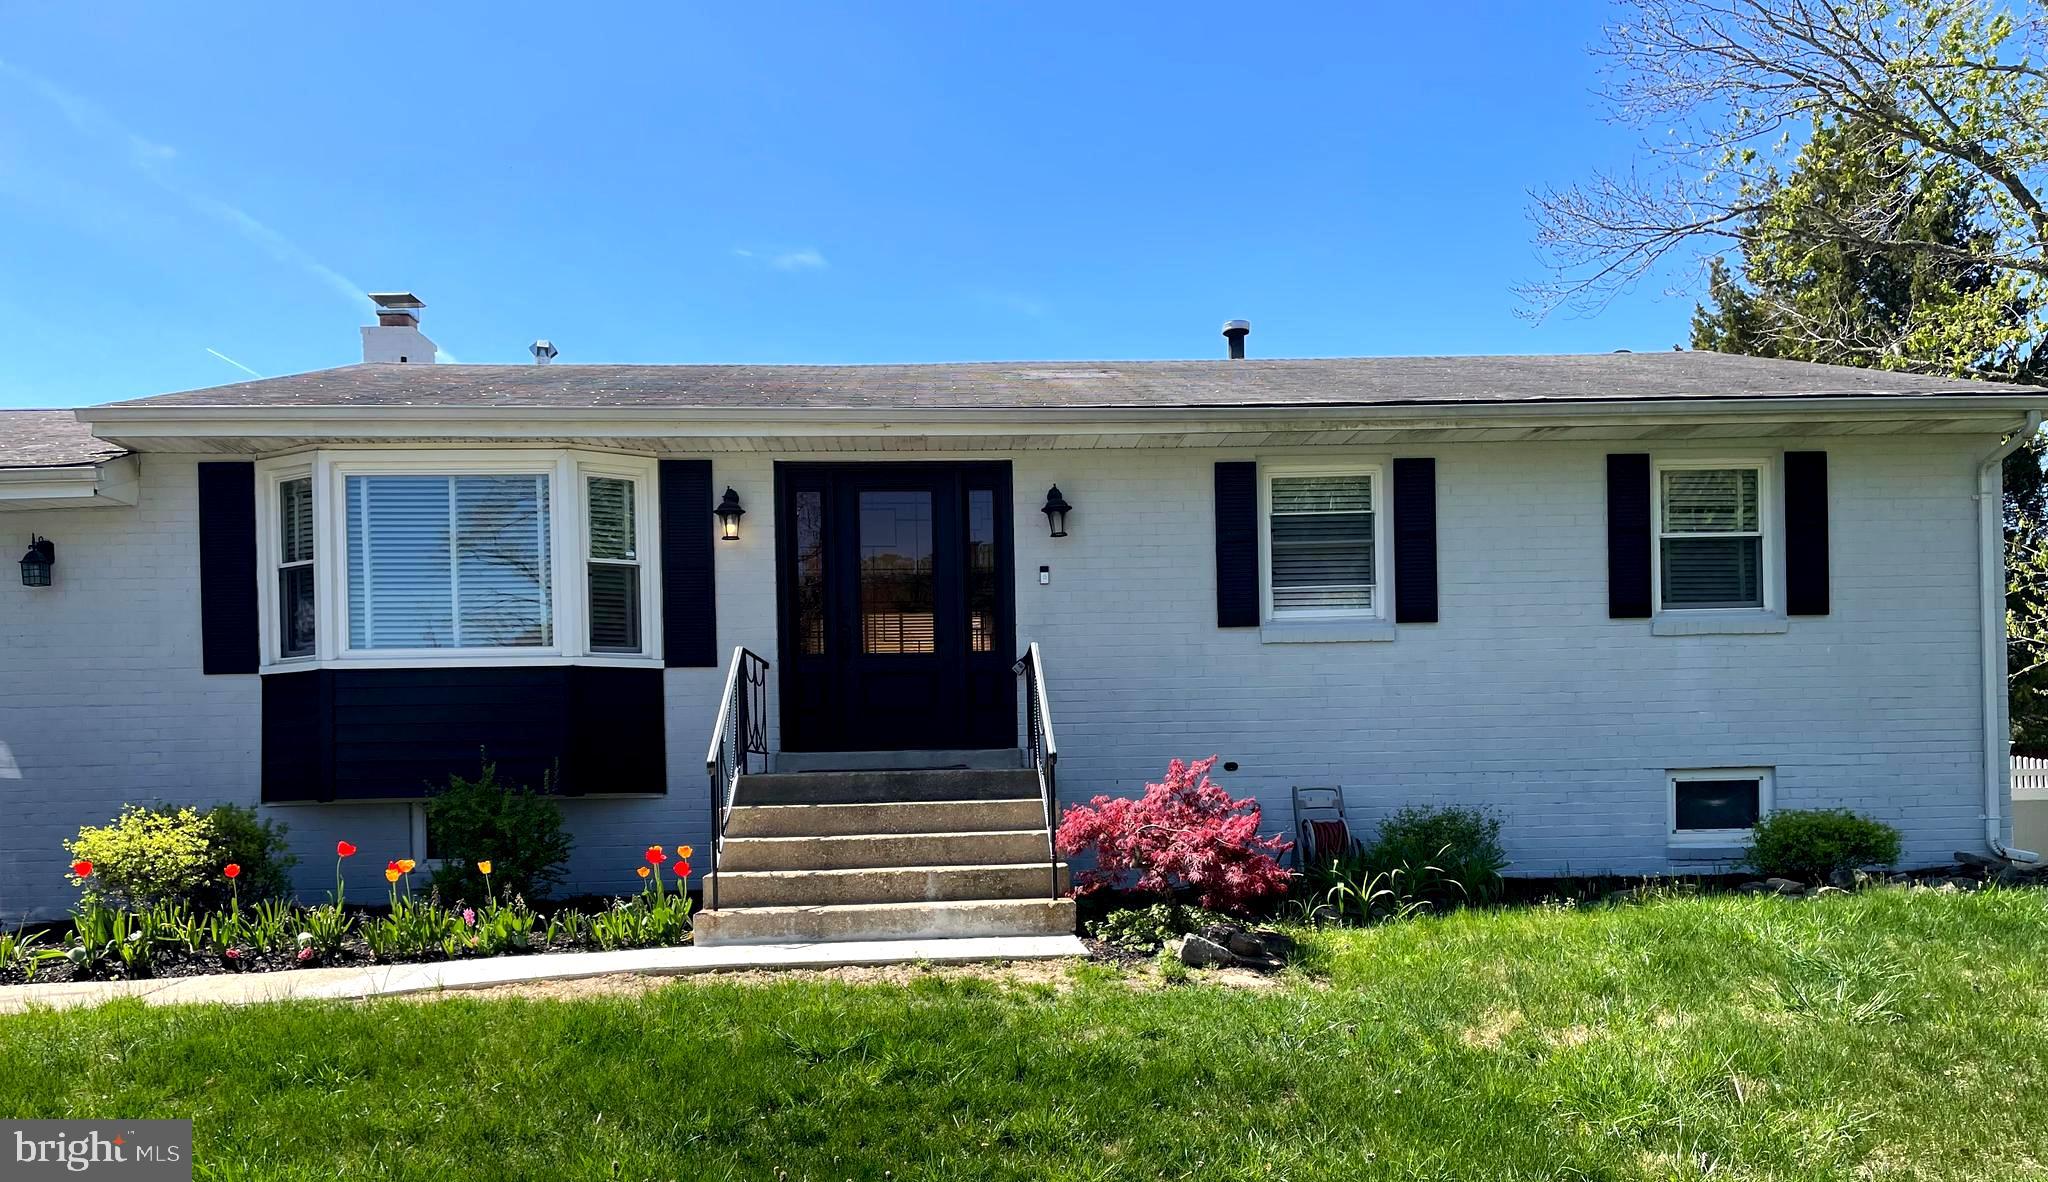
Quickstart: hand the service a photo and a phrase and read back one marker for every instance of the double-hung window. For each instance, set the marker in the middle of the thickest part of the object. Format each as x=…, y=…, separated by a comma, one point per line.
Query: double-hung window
x=460, y=555
x=1711, y=547
x=1323, y=542
x=297, y=593
x=613, y=568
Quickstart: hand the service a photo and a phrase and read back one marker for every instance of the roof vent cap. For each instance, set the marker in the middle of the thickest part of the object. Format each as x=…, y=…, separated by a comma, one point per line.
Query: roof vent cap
x=543, y=351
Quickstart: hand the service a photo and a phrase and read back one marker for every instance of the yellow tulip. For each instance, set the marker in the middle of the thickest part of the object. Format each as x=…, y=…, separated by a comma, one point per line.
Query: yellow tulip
x=391, y=875
x=484, y=866
x=684, y=851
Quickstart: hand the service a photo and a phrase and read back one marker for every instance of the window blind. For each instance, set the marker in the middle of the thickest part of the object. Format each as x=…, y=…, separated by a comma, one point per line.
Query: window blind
x=1321, y=537
x=614, y=568
x=1712, y=549
x=448, y=562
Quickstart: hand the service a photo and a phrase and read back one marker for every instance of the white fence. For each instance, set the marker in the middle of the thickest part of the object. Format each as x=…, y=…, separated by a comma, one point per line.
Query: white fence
x=2029, y=778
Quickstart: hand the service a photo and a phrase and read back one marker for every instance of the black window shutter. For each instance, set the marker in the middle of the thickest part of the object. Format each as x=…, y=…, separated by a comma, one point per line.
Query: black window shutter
x=1415, y=541
x=227, y=567
x=1806, y=533
x=1237, y=545
x=1628, y=536
x=689, y=609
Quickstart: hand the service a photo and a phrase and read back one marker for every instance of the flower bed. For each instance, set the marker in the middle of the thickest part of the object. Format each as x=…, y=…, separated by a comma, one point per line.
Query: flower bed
x=177, y=939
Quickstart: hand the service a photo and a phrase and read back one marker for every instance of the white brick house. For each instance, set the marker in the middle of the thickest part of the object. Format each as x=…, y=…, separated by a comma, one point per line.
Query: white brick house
x=1626, y=601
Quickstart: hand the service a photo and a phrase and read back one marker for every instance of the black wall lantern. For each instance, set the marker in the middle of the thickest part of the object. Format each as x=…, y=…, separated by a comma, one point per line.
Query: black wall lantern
x=1056, y=510
x=36, y=564
x=729, y=514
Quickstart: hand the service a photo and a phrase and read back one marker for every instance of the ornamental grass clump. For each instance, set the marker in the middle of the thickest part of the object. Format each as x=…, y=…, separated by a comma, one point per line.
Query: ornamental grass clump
x=1184, y=835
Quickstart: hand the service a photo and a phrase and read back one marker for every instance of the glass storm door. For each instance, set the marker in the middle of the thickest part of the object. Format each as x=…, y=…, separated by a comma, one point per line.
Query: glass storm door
x=895, y=588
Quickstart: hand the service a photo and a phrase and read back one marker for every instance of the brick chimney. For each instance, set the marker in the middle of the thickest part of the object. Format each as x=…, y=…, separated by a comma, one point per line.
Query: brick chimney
x=396, y=337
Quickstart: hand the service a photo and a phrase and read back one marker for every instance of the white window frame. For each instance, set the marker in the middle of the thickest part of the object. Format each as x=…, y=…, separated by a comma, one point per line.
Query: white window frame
x=1766, y=517
x=1382, y=551
x=646, y=543
x=1765, y=800
x=568, y=540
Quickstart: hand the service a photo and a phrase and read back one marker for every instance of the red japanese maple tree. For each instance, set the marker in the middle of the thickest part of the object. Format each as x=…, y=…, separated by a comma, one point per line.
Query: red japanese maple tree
x=1184, y=833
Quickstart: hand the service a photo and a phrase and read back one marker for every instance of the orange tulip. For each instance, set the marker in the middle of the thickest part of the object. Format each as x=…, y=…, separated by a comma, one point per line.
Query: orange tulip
x=684, y=852
x=391, y=874
x=406, y=864
x=643, y=872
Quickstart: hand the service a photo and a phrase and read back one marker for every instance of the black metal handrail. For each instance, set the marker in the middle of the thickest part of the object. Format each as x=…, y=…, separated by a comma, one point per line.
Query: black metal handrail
x=1042, y=751
x=740, y=733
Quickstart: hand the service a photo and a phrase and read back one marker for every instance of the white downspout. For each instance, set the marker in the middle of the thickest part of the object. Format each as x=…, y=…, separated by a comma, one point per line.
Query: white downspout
x=1991, y=577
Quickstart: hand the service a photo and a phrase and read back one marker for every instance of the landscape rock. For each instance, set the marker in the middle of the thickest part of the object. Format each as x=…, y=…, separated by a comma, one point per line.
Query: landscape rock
x=1785, y=886
x=1200, y=952
x=1754, y=887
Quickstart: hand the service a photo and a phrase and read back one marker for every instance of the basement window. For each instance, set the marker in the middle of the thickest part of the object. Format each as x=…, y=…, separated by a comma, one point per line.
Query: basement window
x=1717, y=806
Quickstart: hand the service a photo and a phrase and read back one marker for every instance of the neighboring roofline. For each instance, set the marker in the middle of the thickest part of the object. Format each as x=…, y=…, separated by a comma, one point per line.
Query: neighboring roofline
x=112, y=481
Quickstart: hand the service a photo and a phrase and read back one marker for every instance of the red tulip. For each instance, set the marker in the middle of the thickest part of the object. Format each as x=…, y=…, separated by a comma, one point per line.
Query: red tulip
x=82, y=868
x=654, y=855
x=682, y=869
x=232, y=870
x=343, y=849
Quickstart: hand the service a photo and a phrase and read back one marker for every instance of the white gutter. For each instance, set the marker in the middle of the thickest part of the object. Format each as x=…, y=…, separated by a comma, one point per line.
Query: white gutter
x=1991, y=577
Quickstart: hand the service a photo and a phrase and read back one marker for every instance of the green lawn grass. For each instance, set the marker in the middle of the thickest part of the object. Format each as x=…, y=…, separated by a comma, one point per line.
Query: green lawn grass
x=1890, y=1034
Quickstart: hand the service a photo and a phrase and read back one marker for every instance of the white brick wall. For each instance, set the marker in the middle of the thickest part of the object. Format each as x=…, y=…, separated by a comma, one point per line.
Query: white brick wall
x=1526, y=698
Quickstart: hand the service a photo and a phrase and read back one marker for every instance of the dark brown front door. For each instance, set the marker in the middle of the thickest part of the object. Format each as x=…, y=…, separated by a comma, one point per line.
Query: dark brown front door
x=895, y=590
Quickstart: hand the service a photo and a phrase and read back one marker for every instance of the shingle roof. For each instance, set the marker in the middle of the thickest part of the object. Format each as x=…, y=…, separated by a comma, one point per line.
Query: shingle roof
x=1337, y=382
x=50, y=439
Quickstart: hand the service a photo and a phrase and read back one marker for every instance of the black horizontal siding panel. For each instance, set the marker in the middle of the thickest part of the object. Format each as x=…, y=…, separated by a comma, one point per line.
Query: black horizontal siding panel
x=379, y=734
x=689, y=601
x=227, y=567
x=617, y=739
x=1628, y=536
x=293, y=742
x=1415, y=541
x=1806, y=533
x=1237, y=544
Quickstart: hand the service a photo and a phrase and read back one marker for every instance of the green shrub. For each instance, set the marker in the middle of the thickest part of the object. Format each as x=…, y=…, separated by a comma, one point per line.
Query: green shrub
x=1140, y=929
x=255, y=844
x=145, y=856
x=516, y=829
x=1444, y=856
x=1811, y=845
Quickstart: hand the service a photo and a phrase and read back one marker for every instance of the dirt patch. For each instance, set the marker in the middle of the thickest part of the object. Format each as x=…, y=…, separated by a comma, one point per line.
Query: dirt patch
x=1493, y=1029
x=1057, y=975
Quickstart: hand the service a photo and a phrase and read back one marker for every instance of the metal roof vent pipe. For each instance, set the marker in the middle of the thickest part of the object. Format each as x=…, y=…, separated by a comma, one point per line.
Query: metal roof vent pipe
x=543, y=351
x=1235, y=331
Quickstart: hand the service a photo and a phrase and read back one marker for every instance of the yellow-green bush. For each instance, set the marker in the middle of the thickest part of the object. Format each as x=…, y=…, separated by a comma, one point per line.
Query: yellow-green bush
x=145, y=856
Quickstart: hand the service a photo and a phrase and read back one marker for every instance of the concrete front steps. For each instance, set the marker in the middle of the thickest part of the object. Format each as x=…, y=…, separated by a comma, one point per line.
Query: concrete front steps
x=881, y=853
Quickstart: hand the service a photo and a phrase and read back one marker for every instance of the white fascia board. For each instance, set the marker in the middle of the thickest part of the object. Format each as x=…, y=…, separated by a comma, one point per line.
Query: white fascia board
x=111, y=482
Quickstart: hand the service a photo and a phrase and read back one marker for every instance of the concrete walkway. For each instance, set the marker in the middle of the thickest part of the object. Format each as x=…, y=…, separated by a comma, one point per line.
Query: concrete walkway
x=344, y=984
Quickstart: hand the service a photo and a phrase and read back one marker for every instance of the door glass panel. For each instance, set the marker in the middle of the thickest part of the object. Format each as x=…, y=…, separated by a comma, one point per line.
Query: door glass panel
x=981, y=569
x=896, y=593
x=810, y=572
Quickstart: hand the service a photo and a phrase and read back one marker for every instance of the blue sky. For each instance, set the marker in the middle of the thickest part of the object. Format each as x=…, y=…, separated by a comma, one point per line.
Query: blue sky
x=783, y=183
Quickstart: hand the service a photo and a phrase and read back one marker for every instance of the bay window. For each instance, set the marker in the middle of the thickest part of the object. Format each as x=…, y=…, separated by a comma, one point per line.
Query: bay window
x=424, y=557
